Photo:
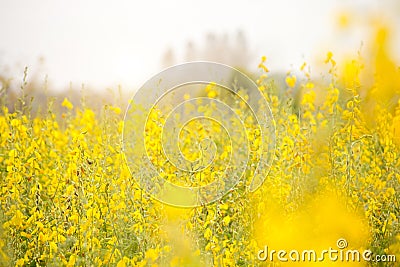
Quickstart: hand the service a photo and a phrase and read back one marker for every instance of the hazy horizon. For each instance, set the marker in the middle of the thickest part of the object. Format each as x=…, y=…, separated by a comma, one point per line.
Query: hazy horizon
x=100, y=45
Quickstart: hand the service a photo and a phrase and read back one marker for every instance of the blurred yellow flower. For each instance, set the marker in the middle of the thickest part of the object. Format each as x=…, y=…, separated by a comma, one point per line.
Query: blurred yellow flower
x=291, y=81
x=66, y=103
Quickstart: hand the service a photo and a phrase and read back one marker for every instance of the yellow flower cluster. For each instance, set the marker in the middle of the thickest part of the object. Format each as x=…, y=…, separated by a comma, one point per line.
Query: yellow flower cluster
x=68, y=199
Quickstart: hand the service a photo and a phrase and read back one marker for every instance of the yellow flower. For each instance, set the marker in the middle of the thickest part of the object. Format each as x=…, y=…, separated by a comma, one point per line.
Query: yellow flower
x=263, y=59
x=123, y=262
x=152, y=254
x=42, y=237
x=207, y=233
x=329, y=56
x=17, y=219
x=224, y=206
x=72, y=260
x=291, y=81
x=116, y=110
x=20, y=262
x=212, y=94
x=53, y=247
x=66, y=103
x=227, y=220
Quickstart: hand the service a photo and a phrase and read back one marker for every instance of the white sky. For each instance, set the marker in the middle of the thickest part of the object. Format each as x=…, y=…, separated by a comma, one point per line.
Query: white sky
x=105, y=43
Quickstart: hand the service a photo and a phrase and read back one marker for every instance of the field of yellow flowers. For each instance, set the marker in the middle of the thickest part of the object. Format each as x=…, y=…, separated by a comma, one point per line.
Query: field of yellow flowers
x=68, y=198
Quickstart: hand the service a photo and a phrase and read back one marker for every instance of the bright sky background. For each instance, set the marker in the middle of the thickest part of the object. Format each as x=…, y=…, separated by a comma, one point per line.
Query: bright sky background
x=105, y=43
